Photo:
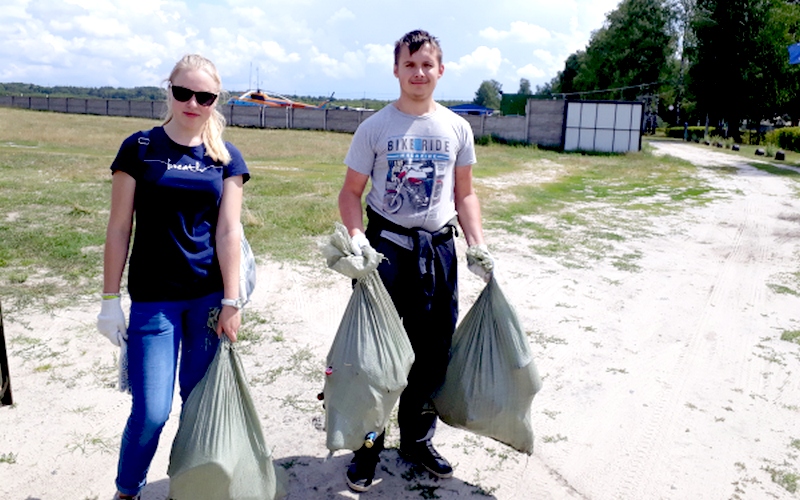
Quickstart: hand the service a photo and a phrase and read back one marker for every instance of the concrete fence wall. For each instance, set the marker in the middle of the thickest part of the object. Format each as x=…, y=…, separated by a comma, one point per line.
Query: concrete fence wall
x=543, y=123
x=546, y=122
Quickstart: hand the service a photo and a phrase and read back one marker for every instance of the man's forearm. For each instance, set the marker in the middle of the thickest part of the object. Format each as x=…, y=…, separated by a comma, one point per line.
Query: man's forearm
x=351, y=212
x=469, y=217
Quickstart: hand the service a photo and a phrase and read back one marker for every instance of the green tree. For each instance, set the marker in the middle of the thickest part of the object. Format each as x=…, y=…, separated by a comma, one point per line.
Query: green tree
x=682, y=13
x=634, y=47
x=545, y=89
x=564, y=82
x=739, y=63
x=524, y=87
x=787, y=16
x=489, y=94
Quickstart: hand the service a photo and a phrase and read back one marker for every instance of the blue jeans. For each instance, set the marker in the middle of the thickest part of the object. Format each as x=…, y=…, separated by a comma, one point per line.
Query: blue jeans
x=157, y=331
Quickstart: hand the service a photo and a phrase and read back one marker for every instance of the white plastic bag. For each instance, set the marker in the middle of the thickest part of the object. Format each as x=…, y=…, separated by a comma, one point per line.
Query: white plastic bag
x=247, y=271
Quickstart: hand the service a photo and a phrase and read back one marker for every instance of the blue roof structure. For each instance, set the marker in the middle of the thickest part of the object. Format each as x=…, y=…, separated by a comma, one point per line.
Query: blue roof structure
x=471, y=109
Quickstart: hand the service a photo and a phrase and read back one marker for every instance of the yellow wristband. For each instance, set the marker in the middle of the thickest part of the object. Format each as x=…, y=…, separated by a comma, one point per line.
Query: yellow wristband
x=109, y=296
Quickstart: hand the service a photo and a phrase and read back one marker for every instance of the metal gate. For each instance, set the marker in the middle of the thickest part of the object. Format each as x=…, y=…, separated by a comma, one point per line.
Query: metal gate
x=605, y=126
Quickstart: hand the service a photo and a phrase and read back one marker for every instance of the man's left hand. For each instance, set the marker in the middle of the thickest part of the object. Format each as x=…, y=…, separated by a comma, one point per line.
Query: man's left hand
x=480, y=262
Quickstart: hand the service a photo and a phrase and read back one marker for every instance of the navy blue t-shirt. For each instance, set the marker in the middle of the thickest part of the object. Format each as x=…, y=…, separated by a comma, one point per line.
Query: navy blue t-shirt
x=176, y=206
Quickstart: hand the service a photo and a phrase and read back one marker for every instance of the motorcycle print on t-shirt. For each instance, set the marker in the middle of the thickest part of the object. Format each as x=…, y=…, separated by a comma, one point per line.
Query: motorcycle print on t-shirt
x=416, y=173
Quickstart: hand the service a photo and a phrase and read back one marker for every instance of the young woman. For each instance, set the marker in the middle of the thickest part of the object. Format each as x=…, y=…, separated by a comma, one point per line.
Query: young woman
x=183, y=184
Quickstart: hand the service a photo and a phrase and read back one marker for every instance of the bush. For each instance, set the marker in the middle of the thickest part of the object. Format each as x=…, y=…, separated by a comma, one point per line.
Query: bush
x=785, y=138
x=485, y=140
x=694, y=132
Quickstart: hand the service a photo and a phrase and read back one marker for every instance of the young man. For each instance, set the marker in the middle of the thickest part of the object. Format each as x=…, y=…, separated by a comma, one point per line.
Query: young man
x=419, y=156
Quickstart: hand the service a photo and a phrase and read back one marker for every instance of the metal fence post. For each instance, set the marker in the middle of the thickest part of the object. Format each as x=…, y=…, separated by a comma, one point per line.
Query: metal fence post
x=528, y=121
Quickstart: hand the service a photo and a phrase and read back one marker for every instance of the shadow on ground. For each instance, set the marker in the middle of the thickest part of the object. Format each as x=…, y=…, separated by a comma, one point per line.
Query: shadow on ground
x=319, y=478
x=314, y=477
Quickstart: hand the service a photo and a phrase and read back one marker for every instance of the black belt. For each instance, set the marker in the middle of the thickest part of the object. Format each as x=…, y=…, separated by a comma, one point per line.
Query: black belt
x=425, y=243
x=444, y=234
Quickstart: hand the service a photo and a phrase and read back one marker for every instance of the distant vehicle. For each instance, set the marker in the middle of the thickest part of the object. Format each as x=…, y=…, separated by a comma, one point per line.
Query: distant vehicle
x=261, y=98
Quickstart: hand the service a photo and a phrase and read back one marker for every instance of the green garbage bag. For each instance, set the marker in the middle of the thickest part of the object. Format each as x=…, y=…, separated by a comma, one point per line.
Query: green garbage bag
x=219, y=452
x=370, y=357
x=491, y=377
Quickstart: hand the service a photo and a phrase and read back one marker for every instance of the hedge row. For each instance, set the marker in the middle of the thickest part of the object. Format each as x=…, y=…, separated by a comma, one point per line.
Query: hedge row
x=785, y=138
x=694, y=132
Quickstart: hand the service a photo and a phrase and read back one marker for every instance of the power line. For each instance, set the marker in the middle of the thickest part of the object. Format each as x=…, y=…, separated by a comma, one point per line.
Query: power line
x=585, y=92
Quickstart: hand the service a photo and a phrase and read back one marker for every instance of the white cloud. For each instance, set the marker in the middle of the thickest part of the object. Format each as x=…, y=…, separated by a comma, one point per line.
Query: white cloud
x=342, y=14
x=153, y=63
x=274, y=51
x=350, y=66
x=519, y=31
x=60, y=25
x=300, y=46
x=14, y=9
x=530, y=72
x=545, y=56
x=380, y=54
x=101, y=27
x=325, y=63
x=177, y=40
x=482, y=58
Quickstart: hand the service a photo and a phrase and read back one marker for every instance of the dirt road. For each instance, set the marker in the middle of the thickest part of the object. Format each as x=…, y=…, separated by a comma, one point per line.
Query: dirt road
x=664, y=380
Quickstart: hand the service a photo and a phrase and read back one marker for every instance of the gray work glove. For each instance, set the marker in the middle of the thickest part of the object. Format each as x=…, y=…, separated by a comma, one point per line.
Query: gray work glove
x=111, y=321
x=480, y=262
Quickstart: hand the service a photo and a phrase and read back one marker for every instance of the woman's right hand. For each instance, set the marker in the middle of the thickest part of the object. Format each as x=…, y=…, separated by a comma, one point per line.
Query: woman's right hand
x=230, y=319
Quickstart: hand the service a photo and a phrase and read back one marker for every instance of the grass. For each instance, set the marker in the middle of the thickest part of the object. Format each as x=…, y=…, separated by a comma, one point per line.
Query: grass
x=747, y=152
x=55, y=180
x=791, y=336
x=595, y=205
x=786, y=479
x=554, y=439
x=88, y=444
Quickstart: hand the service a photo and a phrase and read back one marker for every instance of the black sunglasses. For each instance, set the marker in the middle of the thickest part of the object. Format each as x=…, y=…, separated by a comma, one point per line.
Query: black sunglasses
x=182, y=94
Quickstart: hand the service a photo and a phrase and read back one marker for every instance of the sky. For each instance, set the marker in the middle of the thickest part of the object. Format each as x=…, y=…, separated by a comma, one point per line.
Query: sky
x=295, y=47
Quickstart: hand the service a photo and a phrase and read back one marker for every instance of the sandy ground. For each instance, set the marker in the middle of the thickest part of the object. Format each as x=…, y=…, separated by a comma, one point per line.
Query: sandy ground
x=666, y=381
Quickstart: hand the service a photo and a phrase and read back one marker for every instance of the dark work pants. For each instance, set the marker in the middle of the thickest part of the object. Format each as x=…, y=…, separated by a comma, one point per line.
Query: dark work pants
x=429, y=320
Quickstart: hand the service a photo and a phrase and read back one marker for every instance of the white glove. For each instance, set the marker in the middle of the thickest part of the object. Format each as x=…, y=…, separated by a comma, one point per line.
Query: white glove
x=359, y=241
x=111, y=321
x=480, y=262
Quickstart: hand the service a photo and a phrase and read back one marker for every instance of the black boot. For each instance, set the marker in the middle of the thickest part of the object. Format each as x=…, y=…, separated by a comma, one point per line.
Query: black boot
x=424, y=454
x=361, y=470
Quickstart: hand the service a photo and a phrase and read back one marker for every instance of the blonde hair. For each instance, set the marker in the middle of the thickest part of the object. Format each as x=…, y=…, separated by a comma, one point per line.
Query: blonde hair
x=212, y=132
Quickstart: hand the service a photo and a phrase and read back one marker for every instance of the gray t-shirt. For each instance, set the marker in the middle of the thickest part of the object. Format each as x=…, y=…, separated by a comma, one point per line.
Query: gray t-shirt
x=411, y=161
